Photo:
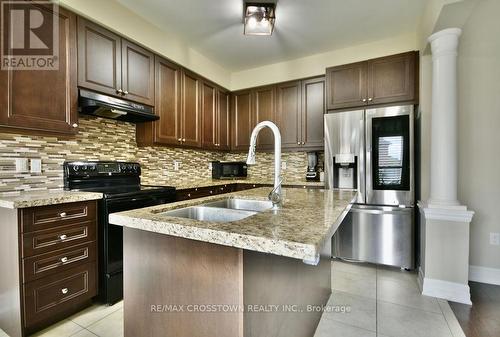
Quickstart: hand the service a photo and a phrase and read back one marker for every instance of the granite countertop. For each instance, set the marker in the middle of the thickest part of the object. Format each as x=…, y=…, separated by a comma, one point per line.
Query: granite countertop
x=44, y=198
x=308, y=218
x=217, y=182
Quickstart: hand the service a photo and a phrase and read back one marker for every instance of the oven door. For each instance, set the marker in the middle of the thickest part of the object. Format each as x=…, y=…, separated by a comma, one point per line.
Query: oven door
x=389, y=156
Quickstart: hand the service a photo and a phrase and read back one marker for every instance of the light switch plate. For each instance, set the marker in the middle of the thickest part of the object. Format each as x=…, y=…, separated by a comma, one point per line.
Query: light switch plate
x=495, y=239
x=177, y=165
x=36, y=165
x=22, y=165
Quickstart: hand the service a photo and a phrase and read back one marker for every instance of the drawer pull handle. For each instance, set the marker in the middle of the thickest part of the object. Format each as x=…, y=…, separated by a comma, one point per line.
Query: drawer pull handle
x=63, y=237
x=64, y=291
x=64, y=259
x=63, y=214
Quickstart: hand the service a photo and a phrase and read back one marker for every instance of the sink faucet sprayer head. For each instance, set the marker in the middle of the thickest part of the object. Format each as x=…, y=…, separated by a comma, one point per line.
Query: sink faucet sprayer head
x=251, y=154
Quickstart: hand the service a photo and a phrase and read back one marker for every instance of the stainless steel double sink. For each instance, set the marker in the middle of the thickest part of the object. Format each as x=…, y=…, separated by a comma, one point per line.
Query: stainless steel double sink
x=225, y=210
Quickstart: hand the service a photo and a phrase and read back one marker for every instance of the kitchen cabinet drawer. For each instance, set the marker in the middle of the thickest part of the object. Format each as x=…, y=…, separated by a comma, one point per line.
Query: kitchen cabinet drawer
x=39, y=218
x=57, y=261
x=58, y=238
x=53, y=295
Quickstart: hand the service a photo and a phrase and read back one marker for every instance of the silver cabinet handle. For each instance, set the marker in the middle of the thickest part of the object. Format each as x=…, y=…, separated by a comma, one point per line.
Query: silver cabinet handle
x=183, y=139
x=63, y=237
x=303, y=143
x=298, y=143
x=370, y=99
x=64, y=291
x=364, y=99
x=74, y=125
x=119, y=91
x=179, y=140
x=63, y=214
x=125, y=92
x=64, y=259
x=189, y=195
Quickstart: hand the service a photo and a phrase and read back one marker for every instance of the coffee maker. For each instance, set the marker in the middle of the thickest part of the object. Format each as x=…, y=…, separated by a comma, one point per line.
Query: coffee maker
x=312, y=166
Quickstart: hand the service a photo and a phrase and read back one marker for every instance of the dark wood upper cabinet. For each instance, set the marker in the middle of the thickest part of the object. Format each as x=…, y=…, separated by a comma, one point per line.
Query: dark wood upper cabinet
x=347, y=86
x=392, y=78
x=385, y=80
x=137, y=73
x=112, y=65
x=289, y=112
x=191, y=112
x=210, y=116
x=166, y=130
x=264, y=110
x=241, y=120
x=99, y=58
x=224, y=126
x=313, y=110
x=44, y=100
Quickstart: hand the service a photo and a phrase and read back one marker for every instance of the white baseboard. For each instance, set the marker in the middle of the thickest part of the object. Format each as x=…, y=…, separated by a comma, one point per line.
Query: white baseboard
x=484, y=275
x=450, y=291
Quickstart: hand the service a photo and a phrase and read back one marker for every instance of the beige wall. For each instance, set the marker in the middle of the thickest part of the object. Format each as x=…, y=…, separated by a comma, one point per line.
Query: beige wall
x=316, y=64
x=479, y=128
x=118, y=18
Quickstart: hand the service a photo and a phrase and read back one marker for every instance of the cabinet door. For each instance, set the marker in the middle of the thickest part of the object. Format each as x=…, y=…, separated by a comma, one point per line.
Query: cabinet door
x=44, y=100
x=191, y=115
x=241, y=120
x=166, y=130
x=99, y=59
x=137, y=73
x=313, y=110
x=224, y=107
x=392, y=79
x=289, y=113
x=209, y=116
x=265, y=110
x=346, y=86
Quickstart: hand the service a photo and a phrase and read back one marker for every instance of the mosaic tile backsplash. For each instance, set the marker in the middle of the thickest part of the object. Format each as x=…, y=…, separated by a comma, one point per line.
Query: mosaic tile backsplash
x=106, y=139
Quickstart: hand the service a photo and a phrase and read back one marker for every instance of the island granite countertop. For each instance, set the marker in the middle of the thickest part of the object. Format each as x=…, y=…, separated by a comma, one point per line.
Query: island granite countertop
x=45, y=198
x=300, y=229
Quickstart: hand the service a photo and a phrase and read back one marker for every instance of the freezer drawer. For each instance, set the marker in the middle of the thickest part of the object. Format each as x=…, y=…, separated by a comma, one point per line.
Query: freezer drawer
x=382, y=235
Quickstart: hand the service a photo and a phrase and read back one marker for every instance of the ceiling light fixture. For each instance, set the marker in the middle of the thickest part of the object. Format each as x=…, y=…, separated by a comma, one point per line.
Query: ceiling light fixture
x=259, y=18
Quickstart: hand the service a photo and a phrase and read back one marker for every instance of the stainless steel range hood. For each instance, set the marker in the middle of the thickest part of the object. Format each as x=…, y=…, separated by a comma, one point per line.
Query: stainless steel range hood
x=92, y=103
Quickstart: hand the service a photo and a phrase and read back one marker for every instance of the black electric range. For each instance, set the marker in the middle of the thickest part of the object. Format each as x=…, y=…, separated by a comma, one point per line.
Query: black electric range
x=120, y=184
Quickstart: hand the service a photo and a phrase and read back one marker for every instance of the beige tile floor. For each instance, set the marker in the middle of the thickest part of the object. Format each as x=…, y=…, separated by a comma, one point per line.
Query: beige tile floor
x=383, y=302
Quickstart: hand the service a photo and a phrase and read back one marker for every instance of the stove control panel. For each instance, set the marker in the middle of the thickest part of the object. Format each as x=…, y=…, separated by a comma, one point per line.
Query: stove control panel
x=101, y=168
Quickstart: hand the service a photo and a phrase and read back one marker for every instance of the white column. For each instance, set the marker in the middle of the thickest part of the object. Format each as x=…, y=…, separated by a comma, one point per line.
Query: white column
x=444, y=161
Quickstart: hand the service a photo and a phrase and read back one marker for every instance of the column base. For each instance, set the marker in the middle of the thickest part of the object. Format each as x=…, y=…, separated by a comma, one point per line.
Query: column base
x=444, y=272
x=450, y=291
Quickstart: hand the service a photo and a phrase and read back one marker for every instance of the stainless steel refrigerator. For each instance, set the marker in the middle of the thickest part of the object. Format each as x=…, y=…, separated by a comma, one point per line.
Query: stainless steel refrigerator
x=372, y=151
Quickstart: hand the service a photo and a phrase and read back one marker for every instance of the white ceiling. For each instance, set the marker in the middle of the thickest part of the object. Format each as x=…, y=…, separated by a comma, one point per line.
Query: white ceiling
x=303, y=27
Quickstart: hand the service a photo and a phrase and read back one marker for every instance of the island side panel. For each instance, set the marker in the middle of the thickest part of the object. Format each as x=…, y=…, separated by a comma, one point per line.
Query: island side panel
x=282, y=281
x=10, y=283
x=161, y=270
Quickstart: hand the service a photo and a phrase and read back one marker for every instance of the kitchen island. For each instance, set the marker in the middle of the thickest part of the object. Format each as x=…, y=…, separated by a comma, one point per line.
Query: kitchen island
x=265, y=275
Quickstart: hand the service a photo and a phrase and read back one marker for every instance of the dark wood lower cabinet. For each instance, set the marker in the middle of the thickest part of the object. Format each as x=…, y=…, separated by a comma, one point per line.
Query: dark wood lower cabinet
x=200, y=192
x=48, y=256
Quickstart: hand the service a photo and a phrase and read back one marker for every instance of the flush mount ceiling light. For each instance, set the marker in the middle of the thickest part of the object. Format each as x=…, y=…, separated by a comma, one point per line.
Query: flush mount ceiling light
x=259, y=18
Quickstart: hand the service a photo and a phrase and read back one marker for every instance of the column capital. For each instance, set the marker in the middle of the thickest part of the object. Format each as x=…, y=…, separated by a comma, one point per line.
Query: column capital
x=445, y=41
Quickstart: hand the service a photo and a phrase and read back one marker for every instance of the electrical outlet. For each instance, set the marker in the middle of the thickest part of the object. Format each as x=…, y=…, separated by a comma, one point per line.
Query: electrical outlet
x=177, y=165
x=495, y=239
x=22, y=165
x=283, y=165
x=36, y=165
